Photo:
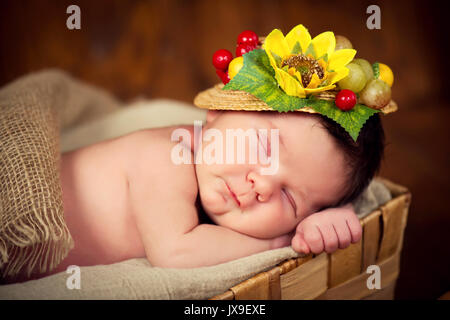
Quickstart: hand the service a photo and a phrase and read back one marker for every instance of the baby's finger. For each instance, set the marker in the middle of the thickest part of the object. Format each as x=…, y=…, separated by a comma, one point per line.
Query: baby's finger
x=343, y=233
x=313, y=238
x=299, y=244
x=330, y=237
x=355, y=228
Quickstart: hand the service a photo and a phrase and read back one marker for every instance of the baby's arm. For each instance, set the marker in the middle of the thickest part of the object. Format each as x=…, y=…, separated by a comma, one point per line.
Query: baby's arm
x=210, y=244
x=327, y=230
x=177, y=241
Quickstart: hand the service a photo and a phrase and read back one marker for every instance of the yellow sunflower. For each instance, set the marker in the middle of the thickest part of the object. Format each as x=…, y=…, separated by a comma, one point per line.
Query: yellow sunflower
x=305, y=66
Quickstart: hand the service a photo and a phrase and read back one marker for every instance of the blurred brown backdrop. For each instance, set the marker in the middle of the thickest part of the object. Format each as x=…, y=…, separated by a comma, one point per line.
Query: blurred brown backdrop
x=164, y=49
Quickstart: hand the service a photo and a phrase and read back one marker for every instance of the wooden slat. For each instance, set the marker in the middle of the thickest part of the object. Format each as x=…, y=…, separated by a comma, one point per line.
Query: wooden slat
x=274, y=283
x=302, y=260
x=288, y=266
x=371, y=238
x=404, y=219
x=386, y=293
x=356, y=288
x=306, y=281
x=345, y=264
x=255, y=288
x=394, y=215
x=227, y=295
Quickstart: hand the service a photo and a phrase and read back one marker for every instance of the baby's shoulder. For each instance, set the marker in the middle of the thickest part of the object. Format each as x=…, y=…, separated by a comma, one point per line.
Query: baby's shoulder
x=150, y=154
x=156, y=145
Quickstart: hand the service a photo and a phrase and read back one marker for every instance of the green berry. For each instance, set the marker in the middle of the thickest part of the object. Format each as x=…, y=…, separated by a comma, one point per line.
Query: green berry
x=343, y=43
x=355, y=80
x=366, y=67
x=376, y=94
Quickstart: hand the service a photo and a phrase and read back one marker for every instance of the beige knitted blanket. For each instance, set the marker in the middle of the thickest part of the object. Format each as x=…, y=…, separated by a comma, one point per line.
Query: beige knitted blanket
x=48, y=112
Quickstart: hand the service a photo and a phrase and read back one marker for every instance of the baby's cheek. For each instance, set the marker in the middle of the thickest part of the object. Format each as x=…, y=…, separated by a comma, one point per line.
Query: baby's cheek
x=211, y=201
x=282, y=219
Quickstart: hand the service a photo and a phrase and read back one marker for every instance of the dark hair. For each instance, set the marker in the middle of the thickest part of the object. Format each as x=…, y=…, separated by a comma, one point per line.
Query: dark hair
x=363, y=156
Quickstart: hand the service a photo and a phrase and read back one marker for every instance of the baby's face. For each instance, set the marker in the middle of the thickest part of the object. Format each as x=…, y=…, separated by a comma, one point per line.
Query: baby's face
x=311, y=175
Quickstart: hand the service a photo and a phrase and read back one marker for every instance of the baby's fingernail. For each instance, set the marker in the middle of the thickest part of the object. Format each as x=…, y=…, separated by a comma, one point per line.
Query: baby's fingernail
x=304, y=248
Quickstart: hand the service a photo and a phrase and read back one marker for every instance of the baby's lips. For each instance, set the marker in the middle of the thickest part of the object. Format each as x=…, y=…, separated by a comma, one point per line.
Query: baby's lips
x=233, y=195
x=246, y=200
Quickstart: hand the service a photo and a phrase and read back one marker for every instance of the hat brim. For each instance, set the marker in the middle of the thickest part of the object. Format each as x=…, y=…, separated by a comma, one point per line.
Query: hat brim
x=217, y=99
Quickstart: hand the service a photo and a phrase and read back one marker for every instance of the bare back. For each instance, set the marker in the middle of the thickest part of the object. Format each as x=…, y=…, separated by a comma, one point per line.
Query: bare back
x=95, y=186
x=96, y=181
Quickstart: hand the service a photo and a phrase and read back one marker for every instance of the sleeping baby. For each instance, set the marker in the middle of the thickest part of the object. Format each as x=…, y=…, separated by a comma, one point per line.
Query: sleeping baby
x=127, y=198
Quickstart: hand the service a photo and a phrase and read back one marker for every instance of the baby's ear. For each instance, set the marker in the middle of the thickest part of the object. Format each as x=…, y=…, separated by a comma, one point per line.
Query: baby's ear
x=212, y=114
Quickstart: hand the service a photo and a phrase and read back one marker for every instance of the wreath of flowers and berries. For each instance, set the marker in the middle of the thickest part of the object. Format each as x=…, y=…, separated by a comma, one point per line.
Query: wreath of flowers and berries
x=293, y=71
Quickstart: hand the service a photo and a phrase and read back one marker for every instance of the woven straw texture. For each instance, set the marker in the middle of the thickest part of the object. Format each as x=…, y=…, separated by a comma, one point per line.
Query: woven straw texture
x=33, y=235
x=217, y=99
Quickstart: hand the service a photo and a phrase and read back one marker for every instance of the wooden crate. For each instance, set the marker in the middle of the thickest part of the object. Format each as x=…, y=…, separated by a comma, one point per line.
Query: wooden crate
x=343, y=274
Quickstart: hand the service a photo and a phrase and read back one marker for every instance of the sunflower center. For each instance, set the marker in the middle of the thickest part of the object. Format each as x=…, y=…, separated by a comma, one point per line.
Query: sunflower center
x=306, y=66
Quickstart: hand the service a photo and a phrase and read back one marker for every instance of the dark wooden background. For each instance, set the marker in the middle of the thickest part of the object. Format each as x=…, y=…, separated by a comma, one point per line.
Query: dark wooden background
x=164, y=48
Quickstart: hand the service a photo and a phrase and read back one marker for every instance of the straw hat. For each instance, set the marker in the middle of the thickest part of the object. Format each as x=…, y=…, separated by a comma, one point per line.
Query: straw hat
x=217, y=99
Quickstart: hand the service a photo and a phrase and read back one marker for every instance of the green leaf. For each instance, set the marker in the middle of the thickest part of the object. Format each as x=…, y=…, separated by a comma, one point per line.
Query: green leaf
x=257, y=77
x=324, y=57
x=352, y=121
x=376, y=70
x=277, y=58
x=297, y=48
x=310, y=50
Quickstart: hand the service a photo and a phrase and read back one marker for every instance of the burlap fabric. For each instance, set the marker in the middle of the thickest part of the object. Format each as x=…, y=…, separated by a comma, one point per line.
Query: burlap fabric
x=33, y=109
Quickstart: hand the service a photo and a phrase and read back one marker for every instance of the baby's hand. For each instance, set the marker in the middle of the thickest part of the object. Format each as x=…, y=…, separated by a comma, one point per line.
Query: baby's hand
x=282, y=241
x=327, y=230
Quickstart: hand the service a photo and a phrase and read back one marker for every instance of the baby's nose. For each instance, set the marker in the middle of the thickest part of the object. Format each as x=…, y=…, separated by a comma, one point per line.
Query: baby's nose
x=263, y=186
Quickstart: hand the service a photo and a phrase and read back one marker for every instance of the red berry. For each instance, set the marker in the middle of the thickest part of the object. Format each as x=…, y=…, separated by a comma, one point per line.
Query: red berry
x=223, y=75
x=221, y=59
x=345, y=99
x=248, y=37
x=243, y=49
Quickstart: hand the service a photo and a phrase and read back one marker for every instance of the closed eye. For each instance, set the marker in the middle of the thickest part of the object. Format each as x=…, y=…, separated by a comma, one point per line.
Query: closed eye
x=264, y=142
x=291, y=201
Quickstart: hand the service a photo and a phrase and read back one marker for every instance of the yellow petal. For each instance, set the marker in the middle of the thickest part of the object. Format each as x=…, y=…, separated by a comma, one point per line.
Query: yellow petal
x=289, y=84
x=323, y=64
x=275, y=43
x=315, y=81
x=338, y=75
x=292, y=71
x=298, y=34
x=340, y=58
x=317, y=90
x=298, y=76
x=272, y=61
x=324, y=43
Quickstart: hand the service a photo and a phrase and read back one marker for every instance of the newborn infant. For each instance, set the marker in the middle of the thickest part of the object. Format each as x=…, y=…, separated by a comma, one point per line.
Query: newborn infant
x=126, y=198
